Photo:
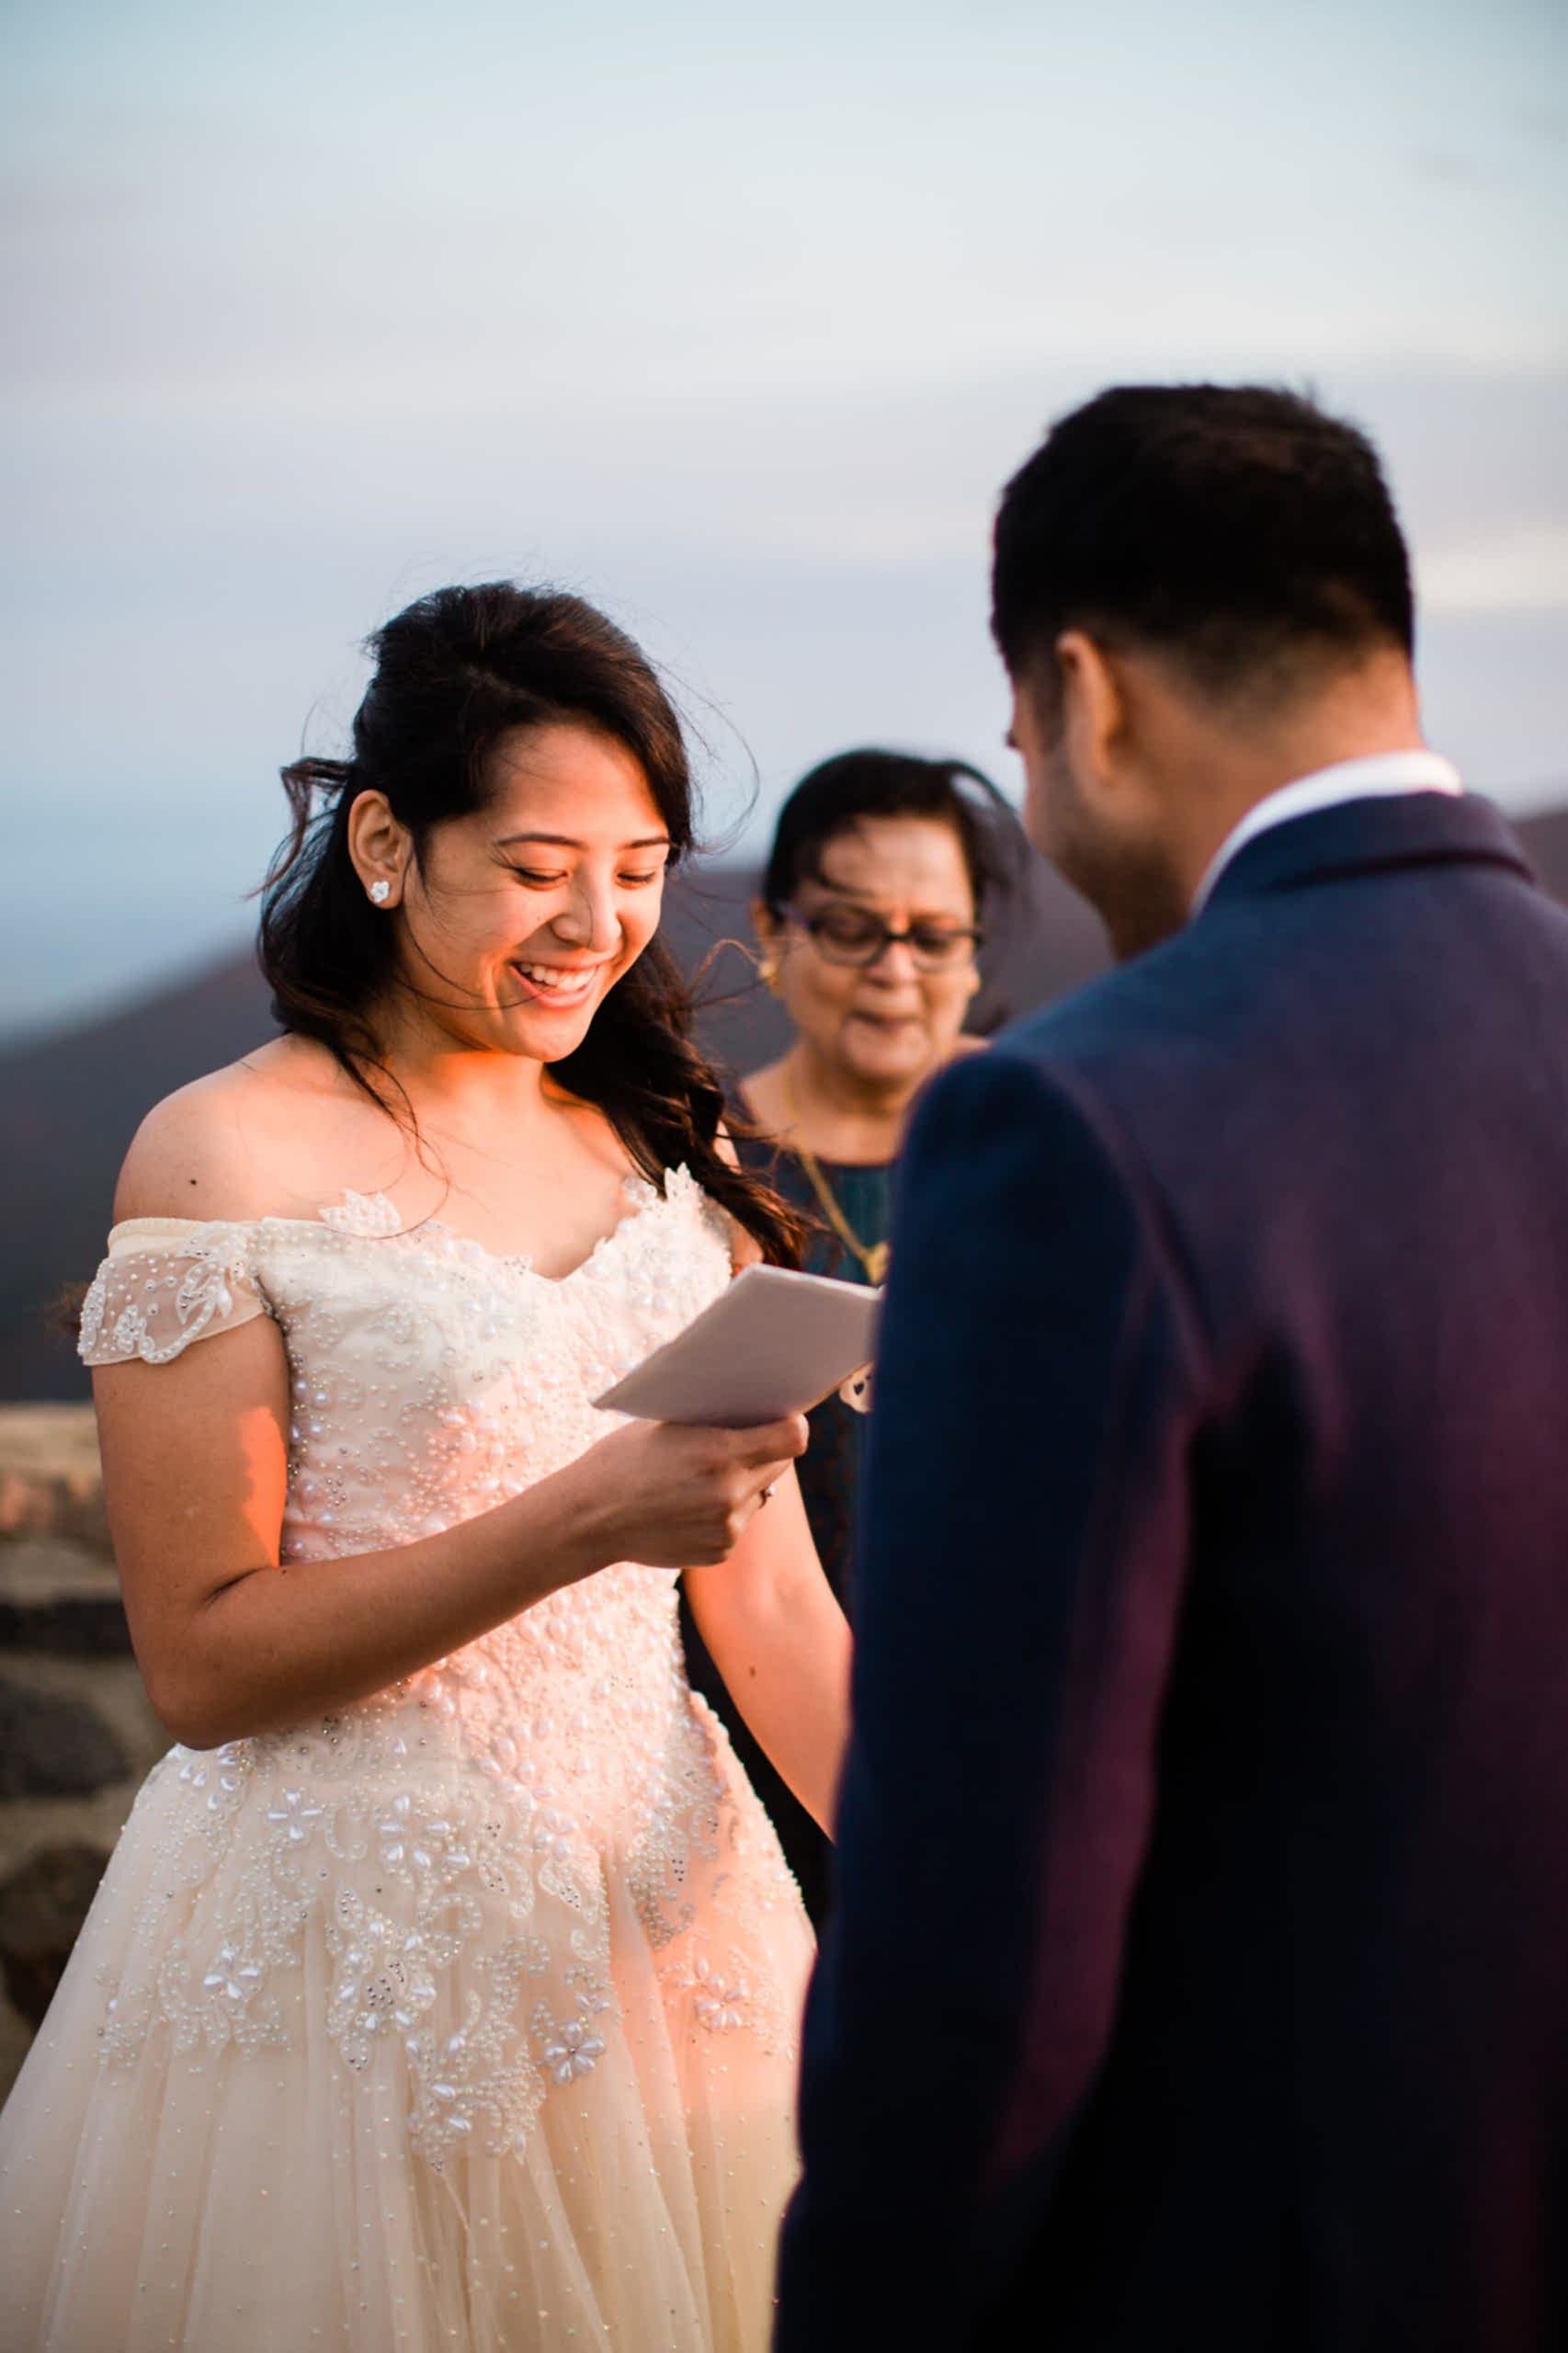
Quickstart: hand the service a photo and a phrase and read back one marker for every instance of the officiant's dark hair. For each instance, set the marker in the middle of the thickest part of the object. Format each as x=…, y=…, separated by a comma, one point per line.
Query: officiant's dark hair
x=839, y=793
x=456, y=673
x=1239, y=528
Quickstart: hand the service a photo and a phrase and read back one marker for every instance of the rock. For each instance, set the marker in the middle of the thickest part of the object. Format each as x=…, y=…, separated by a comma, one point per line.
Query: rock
x=60, y=1597
x=42, y=1906
x=51, y=1484
x=54, y=1747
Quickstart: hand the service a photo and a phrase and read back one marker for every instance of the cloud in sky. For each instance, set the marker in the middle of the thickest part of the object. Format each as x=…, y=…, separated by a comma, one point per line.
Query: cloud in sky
x=735, y=318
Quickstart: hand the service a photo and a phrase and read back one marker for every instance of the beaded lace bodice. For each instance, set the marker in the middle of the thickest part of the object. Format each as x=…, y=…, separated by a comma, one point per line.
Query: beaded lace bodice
x=430, y=1379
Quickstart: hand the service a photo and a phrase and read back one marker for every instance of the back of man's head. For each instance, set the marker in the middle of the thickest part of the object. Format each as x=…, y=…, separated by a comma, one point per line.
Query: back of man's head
x=1236, y=529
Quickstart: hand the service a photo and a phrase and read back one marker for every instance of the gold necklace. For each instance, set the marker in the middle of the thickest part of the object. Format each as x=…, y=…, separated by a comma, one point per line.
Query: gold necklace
x=874, y=1256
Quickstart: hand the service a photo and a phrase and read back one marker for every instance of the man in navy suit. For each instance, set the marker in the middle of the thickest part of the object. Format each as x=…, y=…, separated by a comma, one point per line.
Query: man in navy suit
x=1198, y=1981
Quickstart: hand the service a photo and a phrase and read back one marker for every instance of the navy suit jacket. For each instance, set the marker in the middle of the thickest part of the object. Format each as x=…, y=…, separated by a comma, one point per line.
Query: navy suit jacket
x=1197, y=1976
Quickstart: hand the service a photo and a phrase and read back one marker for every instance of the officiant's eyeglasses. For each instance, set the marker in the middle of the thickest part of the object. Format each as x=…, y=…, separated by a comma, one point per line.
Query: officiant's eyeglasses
x=853, y=936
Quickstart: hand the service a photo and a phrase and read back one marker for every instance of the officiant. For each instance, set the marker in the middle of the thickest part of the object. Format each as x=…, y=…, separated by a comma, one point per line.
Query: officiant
x=883, y=871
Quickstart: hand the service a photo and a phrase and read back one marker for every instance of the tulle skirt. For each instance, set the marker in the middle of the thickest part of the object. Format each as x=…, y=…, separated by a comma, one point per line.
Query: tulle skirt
x=375, y=2052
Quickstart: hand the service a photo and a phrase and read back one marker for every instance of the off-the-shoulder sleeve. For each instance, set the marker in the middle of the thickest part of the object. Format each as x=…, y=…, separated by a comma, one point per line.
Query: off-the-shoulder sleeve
x=167, y=1282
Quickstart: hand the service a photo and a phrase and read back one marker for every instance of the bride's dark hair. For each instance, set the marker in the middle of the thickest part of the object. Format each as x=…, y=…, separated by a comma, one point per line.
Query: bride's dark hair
x=455, y=673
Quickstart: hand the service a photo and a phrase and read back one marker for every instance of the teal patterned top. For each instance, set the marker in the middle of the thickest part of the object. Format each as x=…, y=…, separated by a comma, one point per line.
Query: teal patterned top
x=829, y=1473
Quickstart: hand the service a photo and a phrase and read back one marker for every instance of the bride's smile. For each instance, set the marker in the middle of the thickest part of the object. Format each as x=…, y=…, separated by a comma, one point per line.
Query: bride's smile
x=513, y=924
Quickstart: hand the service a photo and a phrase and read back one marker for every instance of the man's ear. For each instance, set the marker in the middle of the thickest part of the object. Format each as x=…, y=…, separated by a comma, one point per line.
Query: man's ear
x=1093, y=708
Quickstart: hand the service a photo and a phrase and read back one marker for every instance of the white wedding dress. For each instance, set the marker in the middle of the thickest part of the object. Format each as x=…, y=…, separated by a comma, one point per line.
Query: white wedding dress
x=465, y=2017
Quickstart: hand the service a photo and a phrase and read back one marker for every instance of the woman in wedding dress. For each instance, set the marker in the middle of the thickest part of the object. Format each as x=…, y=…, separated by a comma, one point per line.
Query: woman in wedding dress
x=443, y=1988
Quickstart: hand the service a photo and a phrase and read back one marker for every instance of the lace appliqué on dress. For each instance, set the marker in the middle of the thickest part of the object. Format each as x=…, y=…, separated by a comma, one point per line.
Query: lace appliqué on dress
x=429, y=1902
x=369, y=1216
x=682, y=1828
x=153, y=1302
x=720, y=1965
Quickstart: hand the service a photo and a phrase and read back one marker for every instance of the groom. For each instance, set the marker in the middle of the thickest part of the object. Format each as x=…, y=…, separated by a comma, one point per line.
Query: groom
x=1198, y=1976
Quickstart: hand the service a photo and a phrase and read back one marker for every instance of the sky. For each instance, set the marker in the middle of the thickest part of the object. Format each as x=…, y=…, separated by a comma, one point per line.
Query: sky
x=735, y=319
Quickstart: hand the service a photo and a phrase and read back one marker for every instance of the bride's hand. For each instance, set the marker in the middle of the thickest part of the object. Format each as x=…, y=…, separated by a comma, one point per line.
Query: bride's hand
x=675, y=1498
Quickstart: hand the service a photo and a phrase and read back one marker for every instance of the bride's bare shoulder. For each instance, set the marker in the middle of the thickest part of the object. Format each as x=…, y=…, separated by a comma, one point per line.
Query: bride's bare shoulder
x=229, y=1145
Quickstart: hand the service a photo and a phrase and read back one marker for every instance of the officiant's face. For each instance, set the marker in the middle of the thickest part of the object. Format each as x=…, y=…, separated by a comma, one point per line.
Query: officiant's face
x=886, y=1022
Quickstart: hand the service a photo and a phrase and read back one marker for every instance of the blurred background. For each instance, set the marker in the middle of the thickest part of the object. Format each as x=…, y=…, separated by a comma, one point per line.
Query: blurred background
x=732, y=318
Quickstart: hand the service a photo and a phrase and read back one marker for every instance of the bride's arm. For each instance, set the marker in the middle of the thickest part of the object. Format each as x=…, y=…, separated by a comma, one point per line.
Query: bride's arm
x=233, y=1641
x=774, y=1630
x=780, y=1641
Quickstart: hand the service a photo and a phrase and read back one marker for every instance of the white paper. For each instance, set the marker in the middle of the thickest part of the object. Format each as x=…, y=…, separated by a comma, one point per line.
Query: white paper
x=773, y=1342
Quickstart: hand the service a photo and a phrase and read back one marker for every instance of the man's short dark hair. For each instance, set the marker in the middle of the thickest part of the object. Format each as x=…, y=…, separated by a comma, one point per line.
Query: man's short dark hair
x=1237, y=529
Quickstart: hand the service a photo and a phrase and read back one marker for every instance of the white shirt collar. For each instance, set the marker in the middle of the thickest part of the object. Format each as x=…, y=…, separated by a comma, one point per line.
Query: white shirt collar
x=1380, y=775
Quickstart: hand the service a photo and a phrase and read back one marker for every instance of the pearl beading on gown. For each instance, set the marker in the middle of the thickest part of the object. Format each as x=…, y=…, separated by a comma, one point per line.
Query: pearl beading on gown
x=462, y=1825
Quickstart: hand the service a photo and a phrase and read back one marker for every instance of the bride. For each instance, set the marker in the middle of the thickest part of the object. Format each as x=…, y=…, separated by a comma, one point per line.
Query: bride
x=443, y=1988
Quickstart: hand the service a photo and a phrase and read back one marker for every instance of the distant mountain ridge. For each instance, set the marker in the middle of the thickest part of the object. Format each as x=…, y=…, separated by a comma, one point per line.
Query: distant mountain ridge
x=70, y=1102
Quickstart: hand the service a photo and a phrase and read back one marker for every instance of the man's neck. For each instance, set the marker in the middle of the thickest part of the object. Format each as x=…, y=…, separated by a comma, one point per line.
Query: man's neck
x=1369, y=715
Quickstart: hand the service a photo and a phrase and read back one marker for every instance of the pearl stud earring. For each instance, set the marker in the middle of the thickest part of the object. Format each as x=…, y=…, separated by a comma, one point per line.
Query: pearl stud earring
x=380, y=891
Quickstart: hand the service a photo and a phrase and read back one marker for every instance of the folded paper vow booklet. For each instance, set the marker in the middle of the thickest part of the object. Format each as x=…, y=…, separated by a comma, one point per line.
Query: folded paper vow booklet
x=773, y=1342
